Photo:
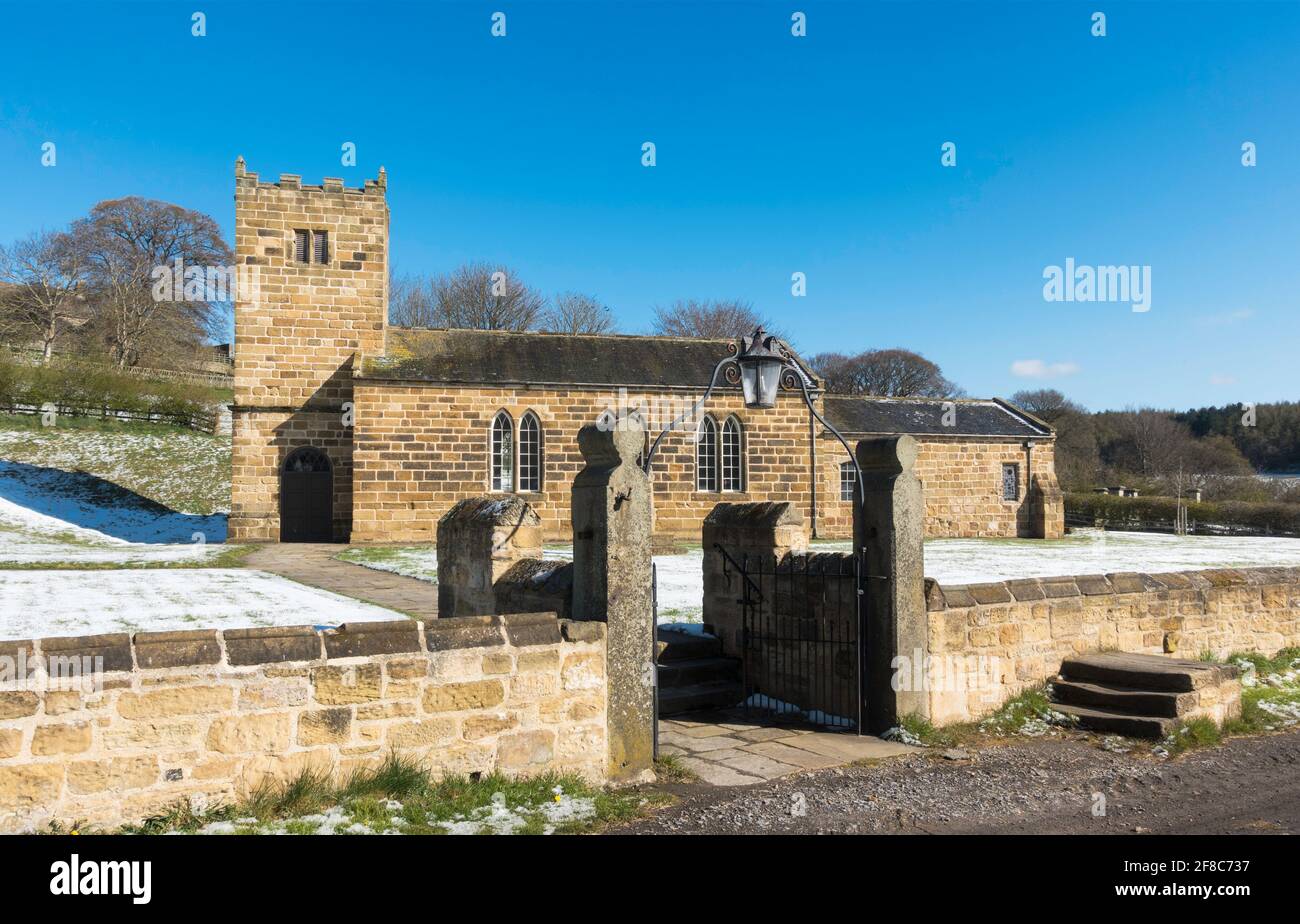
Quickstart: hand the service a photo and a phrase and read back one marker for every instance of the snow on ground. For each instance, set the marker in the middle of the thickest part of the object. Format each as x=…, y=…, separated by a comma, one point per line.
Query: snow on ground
x=47, y=515
x=186, y=471
x=949, y=561
x=1095, y=551
x=34, y=604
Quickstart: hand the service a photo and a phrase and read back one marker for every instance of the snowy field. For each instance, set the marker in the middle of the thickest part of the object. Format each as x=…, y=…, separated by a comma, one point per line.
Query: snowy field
x=1095, y=551
x=949, y=561
x=52, y=516
x=34, y=604
x=185, y=471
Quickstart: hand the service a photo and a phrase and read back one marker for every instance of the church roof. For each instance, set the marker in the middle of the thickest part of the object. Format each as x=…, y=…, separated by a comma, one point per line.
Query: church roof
x=862, y=415
x=485, y=357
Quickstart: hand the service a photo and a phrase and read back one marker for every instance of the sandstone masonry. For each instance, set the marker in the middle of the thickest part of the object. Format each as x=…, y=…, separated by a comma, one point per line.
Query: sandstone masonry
x=206, y=716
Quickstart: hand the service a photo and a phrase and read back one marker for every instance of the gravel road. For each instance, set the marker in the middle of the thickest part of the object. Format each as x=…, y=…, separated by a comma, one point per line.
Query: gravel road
x=1248, y=785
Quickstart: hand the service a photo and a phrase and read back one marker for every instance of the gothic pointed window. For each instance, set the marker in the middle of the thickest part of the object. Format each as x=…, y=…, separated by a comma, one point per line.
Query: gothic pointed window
x=706, y=456
x=733, y=456
x=503, y=453
x=530, y=454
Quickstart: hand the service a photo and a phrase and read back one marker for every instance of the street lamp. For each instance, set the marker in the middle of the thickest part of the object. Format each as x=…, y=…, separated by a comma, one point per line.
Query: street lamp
x=760, y=370
x=761, y=366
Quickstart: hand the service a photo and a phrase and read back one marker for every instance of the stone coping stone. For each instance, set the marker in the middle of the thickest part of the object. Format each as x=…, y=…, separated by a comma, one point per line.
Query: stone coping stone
x=582, y=630
x=954, y=596
x=491, y=510
x=1058, y=588
x=359, y=639
x=18, y=648
x=177, y=649
x=989, y=593
x=453, y=632
x=1092, y=585
x=754, y=515
x=1026, y=589
x=958, y=595
x=272, y=644
x=275, y=644
x=523, y=629
x=115, y=649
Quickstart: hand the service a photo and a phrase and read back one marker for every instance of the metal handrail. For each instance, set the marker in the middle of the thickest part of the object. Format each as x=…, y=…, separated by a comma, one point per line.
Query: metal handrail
x=740, y=569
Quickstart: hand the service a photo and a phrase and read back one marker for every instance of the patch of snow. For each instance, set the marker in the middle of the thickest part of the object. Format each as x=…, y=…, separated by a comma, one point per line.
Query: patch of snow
x=815, y=716
x=901, y=735
x=35, y=604
x=499, y=818
x=51, y=502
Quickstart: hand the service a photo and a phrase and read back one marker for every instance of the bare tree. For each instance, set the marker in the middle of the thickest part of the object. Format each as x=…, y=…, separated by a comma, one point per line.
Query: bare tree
x=574, y=313
x=44, y=276
x=884, y=373
x=411, y=301
x=124, y=243
x=484, y=297
x=1046, y=403
x=712, y=320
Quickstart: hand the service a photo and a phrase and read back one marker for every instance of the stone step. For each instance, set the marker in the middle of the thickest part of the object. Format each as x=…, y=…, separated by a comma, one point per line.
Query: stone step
x=698, y=670
x=1096, y=718
x=685, y=646
x=713, y=695
x=1168, y=704
x=1144, y=672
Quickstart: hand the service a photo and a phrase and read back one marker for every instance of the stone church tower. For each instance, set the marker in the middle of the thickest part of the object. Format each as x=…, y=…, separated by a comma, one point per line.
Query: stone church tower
x=318, y=303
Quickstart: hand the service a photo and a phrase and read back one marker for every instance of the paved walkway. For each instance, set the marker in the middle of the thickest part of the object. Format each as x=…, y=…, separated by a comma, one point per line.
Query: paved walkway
x=314, y=564
x=728, y=748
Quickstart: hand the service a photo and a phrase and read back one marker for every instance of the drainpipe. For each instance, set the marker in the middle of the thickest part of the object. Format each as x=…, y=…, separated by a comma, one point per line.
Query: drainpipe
x=812, y=472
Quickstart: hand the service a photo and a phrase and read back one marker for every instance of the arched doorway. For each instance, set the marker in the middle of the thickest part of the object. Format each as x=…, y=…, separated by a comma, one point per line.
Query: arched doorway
x=307, y=497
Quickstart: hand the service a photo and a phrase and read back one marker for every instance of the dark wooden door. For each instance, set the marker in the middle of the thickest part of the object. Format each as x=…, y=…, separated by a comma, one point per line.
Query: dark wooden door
x=307, y=498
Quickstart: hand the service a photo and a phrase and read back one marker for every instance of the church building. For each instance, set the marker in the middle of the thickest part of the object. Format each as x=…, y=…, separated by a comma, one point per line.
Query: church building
x=347, y=429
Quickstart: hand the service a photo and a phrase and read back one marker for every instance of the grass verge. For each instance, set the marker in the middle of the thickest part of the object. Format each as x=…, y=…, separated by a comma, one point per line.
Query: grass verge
x=1270, y=701
x=1028, y=715
x=400, y=796
x=232, y=557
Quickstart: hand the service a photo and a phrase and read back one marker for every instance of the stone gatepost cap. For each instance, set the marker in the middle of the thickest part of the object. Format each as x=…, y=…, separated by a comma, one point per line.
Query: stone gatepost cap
x=889, y=454
x=619, y=444
x=491, y=510
x=762, y=514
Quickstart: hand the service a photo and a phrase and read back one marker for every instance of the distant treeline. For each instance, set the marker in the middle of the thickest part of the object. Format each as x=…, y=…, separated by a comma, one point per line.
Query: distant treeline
x=1169, y=453
x=1271, y=444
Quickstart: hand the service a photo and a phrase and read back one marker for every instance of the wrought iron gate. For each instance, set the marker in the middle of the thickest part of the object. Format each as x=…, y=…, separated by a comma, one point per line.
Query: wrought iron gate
x=804, y=639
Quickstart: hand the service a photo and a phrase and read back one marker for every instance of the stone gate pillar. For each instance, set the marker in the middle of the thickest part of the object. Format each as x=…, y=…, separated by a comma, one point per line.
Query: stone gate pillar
x=611, y=512
x=765, y=530
x=889, y=527
x=479, y=539
x=1046, y=507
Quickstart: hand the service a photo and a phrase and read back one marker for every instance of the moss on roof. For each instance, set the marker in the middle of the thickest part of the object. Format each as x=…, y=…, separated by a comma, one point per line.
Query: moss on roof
x=501, y=357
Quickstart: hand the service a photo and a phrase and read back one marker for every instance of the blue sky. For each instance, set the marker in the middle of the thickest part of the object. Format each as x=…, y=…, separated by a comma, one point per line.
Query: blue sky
x=775, y=154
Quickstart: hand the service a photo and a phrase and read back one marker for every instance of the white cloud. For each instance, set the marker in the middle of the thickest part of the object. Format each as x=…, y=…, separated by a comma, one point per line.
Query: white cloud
x=1221, y=378
x=1037, y=369
x=1227, y=318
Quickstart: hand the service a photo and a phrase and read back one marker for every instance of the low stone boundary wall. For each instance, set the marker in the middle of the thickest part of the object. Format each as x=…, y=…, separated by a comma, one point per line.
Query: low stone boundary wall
x=989, y=642
x=206, y=716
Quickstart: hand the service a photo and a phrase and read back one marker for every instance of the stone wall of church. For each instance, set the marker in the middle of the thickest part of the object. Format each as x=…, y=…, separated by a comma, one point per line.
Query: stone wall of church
x=299, y=325
x=421, y=448
x=962, y=481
